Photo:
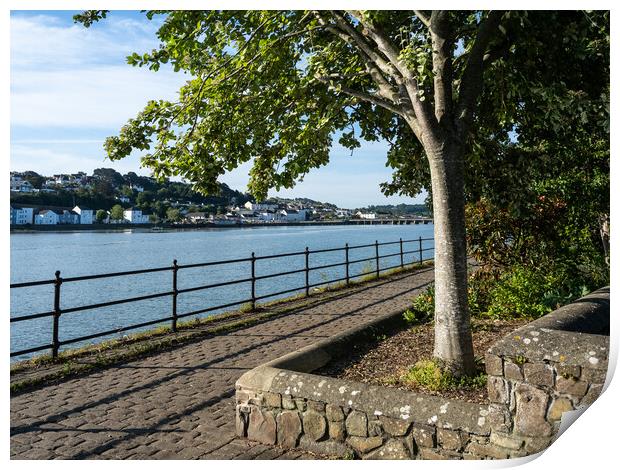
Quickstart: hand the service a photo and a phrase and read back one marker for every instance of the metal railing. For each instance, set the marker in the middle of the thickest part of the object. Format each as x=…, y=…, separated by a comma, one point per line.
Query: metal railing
x=58, y=281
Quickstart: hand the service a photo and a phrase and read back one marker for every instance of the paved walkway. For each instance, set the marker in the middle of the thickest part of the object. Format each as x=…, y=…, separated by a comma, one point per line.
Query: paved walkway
x=180, y=403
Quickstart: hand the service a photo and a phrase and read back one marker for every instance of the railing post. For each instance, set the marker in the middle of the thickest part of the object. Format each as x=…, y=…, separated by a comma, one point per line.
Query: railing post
x=346, y=260
x=253, y=261
x=420, y=250
x=402, y=263
x=175, y=293
x=55, y=341
x=377, y=257
x=307, y=253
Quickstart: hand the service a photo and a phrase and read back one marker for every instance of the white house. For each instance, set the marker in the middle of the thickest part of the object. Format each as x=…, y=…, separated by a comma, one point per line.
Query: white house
x=343, y=213
x=195, y=217
x=260, y=207
x=291, y=215
x=46, y=217
x=366, y=215
x=135, y=216
x=21, y=215
x=267, y=216
x=86, y=214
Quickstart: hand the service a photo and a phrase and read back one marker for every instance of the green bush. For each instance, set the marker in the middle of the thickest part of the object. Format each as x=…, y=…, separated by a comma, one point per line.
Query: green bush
x=531, y=293
x=423, y=306
x=519, y=293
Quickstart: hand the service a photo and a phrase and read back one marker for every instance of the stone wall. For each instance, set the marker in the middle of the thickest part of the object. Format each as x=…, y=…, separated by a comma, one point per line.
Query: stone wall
x=550, y=366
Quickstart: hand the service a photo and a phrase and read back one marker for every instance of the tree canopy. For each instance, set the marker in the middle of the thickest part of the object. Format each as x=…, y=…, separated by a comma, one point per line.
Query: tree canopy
x=454, y=93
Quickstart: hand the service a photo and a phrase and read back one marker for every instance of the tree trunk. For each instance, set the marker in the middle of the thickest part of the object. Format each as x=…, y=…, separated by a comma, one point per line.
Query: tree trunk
x=453, y=340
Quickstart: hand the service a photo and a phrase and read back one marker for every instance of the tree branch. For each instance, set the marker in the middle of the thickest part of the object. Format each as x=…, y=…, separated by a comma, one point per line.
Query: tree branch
x=423, y=18
x=365, y=96
x=377, y=67
x=471, y=82
x=442, y=47
x=347, y=32
x=421, y=109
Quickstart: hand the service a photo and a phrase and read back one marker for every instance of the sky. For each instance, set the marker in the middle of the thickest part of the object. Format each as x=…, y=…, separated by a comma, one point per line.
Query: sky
x=71, y=88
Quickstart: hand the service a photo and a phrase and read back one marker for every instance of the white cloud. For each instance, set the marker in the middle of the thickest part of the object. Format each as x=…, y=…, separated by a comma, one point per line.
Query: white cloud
x=97, y=97
x=49, y=161
x=65, y=75
x=45, y=41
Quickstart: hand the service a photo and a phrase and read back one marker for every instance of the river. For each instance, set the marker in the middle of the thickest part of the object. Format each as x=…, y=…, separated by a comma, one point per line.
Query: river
x=36, y=256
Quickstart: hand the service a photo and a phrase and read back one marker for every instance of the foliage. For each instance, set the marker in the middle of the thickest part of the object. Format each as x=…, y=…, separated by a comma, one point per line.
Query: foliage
x=423, y=305
x=430, y=375
x=538, y=195
x=173, y=215
x=117, y=212
x=277, y=87
x=100, y=215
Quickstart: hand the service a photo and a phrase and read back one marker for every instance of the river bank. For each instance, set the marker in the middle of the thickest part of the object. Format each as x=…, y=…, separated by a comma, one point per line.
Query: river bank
x=117, y=227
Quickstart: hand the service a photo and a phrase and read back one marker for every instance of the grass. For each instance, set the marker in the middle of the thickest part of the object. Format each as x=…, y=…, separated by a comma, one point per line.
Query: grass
x=109, y=352
x=430, y=375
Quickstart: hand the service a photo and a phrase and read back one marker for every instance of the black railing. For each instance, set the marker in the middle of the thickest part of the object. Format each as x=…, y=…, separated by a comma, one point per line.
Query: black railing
x=58, y=281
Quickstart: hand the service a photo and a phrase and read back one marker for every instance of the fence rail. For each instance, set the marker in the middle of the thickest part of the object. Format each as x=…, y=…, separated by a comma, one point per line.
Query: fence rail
x=58, y=281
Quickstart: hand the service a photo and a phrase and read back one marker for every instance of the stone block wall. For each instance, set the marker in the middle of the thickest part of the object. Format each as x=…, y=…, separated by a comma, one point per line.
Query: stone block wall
x=544, y=369
x=344, y=418
x=550, y=366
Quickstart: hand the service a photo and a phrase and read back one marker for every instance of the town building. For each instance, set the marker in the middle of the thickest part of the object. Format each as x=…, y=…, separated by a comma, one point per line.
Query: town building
x=21, y=215
x=196, y=217
x=47, y=217
x=135, y=216
x=86, y=215
x=260, y=206
x=292, y=215
x=21, y=186
x=366, y=215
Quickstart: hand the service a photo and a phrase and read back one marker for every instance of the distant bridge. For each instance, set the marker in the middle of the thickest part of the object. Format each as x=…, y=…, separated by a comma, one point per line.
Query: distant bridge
x=417, y=220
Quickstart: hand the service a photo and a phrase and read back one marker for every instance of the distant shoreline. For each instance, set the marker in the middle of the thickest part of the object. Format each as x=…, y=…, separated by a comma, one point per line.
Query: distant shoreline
x=117, y=227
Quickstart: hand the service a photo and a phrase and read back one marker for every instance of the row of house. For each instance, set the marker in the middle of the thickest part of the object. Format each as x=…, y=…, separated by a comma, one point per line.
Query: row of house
x=21, y=215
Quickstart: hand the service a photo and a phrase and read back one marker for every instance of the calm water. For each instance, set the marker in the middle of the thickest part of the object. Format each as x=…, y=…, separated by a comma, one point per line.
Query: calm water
x=36, y=256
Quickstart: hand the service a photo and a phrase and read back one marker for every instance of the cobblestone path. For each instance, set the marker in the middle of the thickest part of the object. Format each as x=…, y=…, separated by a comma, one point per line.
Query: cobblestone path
x=179, y=403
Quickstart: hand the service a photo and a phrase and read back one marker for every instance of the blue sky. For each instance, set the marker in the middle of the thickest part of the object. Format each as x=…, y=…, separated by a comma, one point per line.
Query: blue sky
x=71, y=88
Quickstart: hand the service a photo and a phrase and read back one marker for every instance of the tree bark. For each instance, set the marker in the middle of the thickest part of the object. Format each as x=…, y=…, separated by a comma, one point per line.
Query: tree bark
x=453, y=340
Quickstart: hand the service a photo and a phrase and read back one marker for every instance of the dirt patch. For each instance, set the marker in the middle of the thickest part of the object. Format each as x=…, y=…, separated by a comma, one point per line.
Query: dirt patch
x=384, y=360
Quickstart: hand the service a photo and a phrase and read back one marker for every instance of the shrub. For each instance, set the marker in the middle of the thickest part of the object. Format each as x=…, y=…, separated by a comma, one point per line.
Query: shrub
x=431, y=376
x=423, y=305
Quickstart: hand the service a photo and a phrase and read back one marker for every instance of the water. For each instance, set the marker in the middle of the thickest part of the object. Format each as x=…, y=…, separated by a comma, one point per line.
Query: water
x=36, y=256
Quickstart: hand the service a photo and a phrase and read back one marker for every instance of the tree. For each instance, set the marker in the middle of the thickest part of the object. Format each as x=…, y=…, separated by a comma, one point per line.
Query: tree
x=100, y=216
x=144, y=199
x=104, y=187
x=110, y=175
x=117, y=212
x=35, y=179
x=275, y=87
x=173, y=215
